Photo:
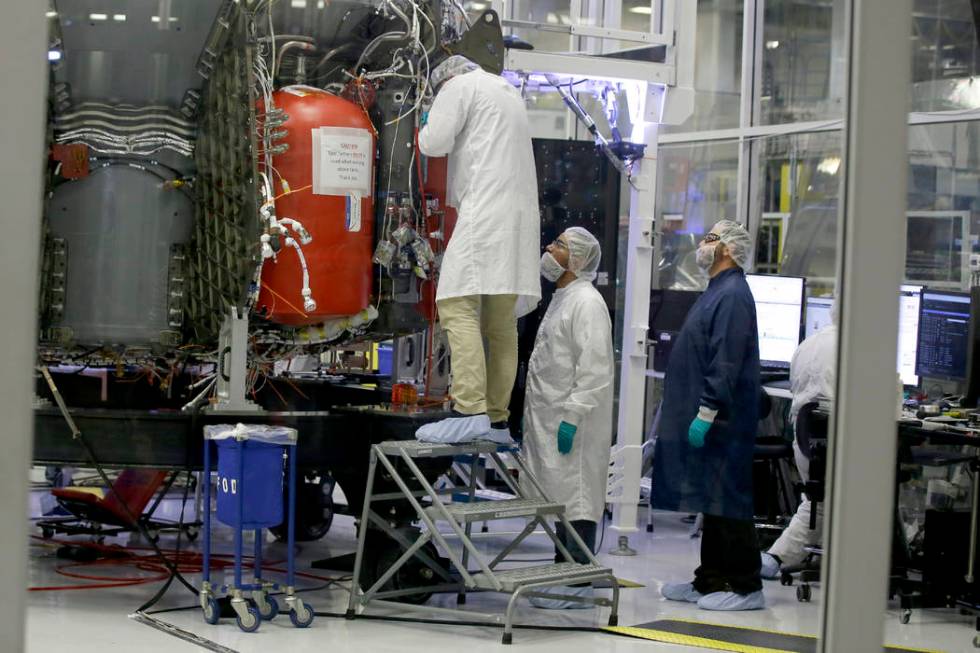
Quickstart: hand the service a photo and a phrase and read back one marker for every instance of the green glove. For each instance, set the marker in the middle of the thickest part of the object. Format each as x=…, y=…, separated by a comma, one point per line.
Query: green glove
x=697, y=431
x=566, y=436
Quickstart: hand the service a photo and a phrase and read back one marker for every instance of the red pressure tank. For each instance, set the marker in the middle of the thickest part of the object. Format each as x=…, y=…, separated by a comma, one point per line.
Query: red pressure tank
x=329, y=169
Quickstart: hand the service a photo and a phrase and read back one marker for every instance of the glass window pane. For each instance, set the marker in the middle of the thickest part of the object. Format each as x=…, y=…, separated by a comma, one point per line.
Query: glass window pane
x=802, y=61
x=718, y=74
x=798, y=227
x=697, y=187
x=945, y=56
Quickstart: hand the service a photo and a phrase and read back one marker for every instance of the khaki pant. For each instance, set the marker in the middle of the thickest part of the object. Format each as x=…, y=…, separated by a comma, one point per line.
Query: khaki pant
x=482, y=378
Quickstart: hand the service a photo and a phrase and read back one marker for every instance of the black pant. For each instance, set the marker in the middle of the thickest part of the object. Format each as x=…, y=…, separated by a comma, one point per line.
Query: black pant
x=586, y=530
x=729, y=557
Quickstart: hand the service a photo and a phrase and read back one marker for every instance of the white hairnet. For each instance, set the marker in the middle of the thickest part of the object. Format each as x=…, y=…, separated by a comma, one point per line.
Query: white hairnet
x=584, y=252
x=454, y=65
x=737, y=239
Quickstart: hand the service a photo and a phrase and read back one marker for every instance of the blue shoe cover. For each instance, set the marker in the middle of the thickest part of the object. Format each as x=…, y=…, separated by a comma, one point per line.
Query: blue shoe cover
x=730, y=601
x=455, y=430
x=770, y=566
x=681, y=592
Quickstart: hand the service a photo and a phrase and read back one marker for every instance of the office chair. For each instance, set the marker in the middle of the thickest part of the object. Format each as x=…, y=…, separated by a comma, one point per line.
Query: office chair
x=811, y=436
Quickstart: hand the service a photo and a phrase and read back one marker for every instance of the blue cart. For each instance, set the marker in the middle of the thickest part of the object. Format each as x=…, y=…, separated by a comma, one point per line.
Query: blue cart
x=249, y=496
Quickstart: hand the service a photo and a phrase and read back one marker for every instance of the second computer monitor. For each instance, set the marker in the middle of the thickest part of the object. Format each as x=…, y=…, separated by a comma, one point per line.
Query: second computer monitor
x=779, y=311
x=944, y=335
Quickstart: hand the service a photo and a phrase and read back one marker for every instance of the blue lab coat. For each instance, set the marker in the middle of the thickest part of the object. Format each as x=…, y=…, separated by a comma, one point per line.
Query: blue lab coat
x=714, y=363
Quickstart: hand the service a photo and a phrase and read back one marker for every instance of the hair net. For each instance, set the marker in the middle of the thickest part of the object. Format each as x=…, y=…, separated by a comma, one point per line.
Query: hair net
x=584, y=253
x=454, y=65
x=738, y=241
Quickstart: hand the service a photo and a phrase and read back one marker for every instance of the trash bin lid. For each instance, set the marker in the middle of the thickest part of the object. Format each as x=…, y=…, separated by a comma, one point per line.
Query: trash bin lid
x=260, y=432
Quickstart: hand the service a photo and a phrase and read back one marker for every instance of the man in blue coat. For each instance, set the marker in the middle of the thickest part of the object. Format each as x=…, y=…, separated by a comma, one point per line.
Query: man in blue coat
x=703, y=457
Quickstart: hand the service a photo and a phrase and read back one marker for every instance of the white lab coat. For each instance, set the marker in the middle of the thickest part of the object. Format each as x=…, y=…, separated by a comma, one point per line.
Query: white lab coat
x=811, y=371
x=570, y=378
x=479, y=120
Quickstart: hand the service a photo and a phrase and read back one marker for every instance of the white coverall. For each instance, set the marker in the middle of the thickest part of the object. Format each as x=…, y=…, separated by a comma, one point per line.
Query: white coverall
x=480, y=121
x=811, y=375
x=570, y=378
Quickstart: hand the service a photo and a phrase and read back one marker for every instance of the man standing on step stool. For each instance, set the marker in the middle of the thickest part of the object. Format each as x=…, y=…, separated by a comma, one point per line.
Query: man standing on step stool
x=568, y=407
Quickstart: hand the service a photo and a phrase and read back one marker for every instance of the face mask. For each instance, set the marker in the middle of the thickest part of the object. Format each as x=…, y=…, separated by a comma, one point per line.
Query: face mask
x=705, y=256
x=550, y=268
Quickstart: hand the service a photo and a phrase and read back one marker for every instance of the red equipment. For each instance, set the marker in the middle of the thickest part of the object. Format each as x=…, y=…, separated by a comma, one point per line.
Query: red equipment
x=338, y=217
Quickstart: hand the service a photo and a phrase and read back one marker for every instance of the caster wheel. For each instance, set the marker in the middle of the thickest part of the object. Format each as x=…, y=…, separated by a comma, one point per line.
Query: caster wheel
x=906, y=616
x=803, y=594
x=192, y=534
x=786, y=580
x=47, y=533
x=153, y=536
x=272, y=609
x=251, y=623
x=212, y=612
x=304, y=620
x=976, y=641
x=507, y=639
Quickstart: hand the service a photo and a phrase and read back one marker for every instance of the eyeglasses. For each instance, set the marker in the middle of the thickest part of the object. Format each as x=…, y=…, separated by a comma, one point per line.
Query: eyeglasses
x=711, y=238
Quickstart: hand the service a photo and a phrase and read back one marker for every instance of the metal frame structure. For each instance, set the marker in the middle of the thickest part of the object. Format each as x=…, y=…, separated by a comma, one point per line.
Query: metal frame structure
x=22, y=67
x=531, y=503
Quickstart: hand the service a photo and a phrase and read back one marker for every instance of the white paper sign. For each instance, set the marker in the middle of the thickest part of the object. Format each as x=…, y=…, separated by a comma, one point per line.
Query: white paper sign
x=342, y=161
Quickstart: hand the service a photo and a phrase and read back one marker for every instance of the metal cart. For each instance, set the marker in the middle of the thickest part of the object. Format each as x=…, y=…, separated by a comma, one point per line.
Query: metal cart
x=249, y=489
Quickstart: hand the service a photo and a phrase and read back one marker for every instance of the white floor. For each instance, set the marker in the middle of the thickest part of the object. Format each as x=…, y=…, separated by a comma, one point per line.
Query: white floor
x=97, y=619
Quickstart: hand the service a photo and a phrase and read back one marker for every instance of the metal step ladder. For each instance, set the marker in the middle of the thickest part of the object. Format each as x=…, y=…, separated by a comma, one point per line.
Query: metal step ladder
x=432, y=506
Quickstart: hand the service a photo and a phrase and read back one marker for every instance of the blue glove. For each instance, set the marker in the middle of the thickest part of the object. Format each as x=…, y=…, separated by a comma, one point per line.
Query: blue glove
x=697, y=431
x=566, y=436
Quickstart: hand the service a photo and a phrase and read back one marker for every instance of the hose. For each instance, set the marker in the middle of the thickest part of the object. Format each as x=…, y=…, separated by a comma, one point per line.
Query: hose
x=290, y=45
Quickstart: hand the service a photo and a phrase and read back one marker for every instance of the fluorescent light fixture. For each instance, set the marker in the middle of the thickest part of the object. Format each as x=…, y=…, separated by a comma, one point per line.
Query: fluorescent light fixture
x=51, y=14
x=830, y=165
x=298, y=4
x=119, y=18
x=98, y=16
x=319, y=5
x=477, y=6
x=156, y=19
x=772, y=45
x=54, y=55
x=646, y=11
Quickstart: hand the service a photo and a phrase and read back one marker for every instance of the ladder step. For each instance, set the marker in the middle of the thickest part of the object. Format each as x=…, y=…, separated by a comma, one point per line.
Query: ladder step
x=562, y=573
x=506, y=509
x=416, y=449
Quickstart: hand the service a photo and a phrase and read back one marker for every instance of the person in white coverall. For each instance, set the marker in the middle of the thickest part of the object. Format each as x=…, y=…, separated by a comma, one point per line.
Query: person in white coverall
x=812, y=378
x=489, y=274
x=569, y=401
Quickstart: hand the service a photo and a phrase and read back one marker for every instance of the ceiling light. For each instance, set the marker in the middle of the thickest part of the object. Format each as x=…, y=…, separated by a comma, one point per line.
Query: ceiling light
x=646, y=11
x=772, y=45
x=51, y=14
x=298, y=4
x=477, y=6
x=54, y=55
x=156, y=19
x=120, y=18
x=98, y=16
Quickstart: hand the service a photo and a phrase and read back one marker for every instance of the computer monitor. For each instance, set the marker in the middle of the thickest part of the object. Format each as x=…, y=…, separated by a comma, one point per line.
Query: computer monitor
x=668, y=310
x=909, y=300
x=944, y=335
x=818, y=314
x=972, y=393
x=779, y=311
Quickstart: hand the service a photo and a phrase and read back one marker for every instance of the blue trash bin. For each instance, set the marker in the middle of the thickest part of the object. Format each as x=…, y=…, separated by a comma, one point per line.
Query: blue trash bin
x=263, y=476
